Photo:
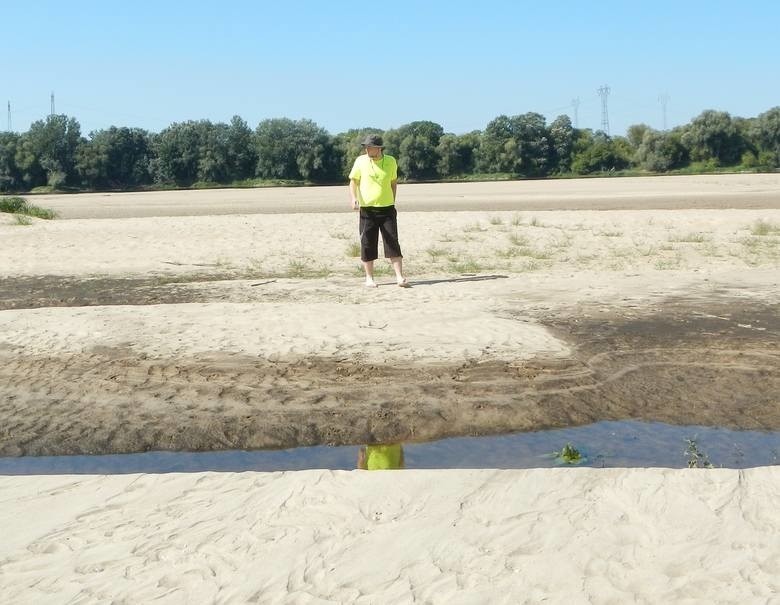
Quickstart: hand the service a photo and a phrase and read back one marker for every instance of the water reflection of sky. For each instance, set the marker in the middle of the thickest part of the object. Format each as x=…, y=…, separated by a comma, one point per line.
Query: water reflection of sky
x=604, y=444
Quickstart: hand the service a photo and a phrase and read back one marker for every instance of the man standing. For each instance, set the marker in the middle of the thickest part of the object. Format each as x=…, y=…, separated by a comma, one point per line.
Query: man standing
x=373, y=181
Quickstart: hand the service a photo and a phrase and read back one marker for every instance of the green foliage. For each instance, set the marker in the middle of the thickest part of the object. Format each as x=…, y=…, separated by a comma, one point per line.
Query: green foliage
x=599, y=153
x=696, y=458
x=53, y=156
x=299, y=149
x=569, y=455
x=520, y=144
x=713, y=135
x=20, y=206
x=415, y=144
x=116, y=158
x=47, y=154
x=660, y=151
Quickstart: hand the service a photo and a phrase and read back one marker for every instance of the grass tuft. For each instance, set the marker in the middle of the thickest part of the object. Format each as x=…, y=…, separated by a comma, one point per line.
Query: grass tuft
x=762, y=227
x=19, y=205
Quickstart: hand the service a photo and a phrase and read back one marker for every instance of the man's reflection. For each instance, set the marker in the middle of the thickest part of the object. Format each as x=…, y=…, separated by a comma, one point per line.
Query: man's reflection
x=381, y=457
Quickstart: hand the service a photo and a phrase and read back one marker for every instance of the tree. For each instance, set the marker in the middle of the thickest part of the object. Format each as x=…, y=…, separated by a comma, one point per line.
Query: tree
x=766, y=132
x=241, y=150
x=457, y=154
x=52, y=143
x=562, y=136
x=519, y=145
x=116, y=158
x=636, y=134
x=598, y=152
x=660, y=151
x=713, y=136
x=415, y=145
x=10, y=175
x=176, y=154
x=298, y=150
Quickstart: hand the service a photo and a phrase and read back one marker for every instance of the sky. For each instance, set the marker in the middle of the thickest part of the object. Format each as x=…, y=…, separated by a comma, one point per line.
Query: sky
x=382, y=64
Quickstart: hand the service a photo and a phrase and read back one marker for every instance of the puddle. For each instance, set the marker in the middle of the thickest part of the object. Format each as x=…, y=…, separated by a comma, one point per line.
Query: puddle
x=602, y=444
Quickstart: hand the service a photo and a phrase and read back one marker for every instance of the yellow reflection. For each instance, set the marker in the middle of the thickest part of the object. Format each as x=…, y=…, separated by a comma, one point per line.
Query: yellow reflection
x=380, y=457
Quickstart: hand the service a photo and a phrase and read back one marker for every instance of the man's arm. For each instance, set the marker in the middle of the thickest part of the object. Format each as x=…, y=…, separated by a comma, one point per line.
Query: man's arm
x=394, y=187
x=353, y=193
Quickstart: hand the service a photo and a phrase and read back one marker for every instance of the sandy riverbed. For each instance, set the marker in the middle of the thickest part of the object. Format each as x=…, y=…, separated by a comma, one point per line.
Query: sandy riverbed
x=187, y=327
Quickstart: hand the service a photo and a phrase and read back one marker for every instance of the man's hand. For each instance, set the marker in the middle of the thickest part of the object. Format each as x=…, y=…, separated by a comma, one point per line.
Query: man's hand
x=355, y=204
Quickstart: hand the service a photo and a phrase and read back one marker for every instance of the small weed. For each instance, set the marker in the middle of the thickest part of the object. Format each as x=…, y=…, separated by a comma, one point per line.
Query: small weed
x=518, y=240
x=510, y=252
x=339, y=235
x=529, y=265
x=496, y=220
x=762, y=227
x=466, y=266
x=569, y=455
x=690, y=238
x=474, y=228
x=645, y=251
x=667, y=264
x=611, y=233
x=446, y=239
x=353, y=250
x=296, y=268
x=436, y=253
x=535, y=222
x=696, y=458
x=532, y=253
x=21, y=219
x=517, y=220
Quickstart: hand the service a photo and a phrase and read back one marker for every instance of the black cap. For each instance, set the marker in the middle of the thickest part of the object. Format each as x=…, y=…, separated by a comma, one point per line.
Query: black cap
x=372, y=140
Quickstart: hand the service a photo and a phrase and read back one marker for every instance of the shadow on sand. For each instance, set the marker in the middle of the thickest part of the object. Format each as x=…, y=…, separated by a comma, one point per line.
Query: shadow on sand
x=454, y=280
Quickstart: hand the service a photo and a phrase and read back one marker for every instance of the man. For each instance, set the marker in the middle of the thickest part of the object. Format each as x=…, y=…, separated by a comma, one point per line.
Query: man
x=373, y=182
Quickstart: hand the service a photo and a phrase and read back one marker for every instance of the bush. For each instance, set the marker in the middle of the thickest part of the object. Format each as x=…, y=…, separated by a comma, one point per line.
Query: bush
x=19, y=205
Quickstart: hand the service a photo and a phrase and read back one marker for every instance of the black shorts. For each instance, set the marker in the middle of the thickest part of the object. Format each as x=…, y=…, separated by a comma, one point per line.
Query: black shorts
x=372, y=222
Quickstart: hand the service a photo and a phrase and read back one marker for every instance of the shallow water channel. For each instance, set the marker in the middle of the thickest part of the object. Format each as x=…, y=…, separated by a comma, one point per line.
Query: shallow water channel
x=602, y=444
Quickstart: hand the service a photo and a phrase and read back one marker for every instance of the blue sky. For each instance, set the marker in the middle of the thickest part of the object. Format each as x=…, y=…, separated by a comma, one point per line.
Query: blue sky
x=383, y=64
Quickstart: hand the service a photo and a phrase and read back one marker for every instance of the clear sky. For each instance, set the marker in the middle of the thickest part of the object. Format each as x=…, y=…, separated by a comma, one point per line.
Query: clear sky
x=349, y=64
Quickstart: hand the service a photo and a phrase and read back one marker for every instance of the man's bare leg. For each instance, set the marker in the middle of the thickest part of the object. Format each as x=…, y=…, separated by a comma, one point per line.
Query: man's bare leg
x=398, y=267
x=368, y=266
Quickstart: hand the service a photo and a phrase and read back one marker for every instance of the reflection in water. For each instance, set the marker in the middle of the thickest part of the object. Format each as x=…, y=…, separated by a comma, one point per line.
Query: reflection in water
x=382, y=457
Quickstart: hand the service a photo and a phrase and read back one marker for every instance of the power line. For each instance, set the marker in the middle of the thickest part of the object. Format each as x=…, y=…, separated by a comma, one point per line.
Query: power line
x=604, y=93
x=663, y=98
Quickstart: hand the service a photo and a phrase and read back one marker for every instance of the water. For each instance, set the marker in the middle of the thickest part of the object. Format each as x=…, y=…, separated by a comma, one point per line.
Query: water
x=603, y=444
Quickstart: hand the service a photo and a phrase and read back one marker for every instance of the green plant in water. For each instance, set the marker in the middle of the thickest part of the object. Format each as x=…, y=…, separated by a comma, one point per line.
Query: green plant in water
x=696, y=458
x=569, y=455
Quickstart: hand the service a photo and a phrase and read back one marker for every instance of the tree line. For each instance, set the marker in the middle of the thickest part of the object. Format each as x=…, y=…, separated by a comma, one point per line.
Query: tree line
x=54, y=154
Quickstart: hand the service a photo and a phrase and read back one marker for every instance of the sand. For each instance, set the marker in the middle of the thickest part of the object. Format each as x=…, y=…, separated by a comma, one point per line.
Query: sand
x=168, y=321
x=479, y=536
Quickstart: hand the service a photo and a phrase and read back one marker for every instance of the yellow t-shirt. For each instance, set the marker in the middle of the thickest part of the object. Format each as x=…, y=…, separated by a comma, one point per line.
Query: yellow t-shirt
x=374, y=179
x=384, y=457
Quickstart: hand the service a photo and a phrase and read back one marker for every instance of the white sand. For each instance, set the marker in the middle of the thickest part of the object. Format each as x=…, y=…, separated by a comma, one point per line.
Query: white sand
x=524, y=536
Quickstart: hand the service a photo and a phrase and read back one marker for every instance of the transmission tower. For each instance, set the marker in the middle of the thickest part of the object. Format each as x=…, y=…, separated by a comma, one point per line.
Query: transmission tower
x=52, y=103
x=9, y=116
x=604, y=93
x=663, y=98
x=575, y=103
